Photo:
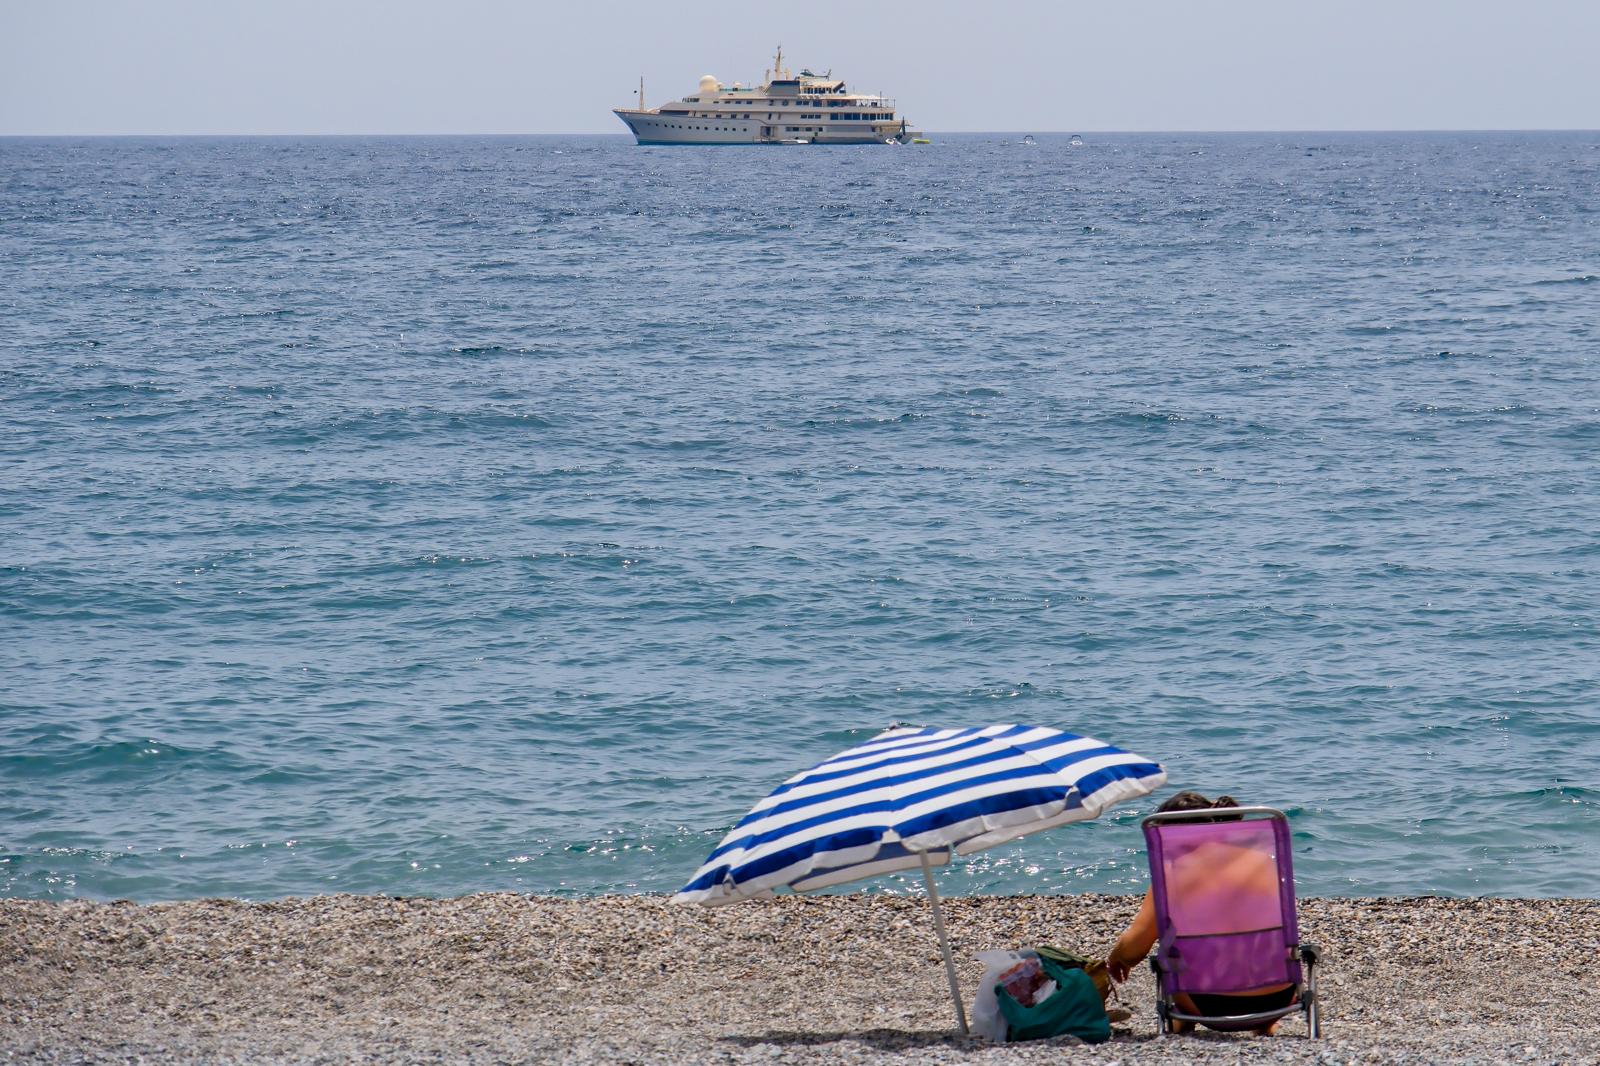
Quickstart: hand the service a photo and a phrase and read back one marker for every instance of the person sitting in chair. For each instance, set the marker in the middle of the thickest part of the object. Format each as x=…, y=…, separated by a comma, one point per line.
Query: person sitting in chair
x=1227, y=869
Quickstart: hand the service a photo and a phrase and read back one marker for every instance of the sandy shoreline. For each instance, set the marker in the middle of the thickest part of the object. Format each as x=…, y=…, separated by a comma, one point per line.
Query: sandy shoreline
x=635, y=979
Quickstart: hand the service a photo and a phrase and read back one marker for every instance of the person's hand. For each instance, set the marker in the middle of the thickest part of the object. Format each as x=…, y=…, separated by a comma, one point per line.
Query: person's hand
x=1118, y=965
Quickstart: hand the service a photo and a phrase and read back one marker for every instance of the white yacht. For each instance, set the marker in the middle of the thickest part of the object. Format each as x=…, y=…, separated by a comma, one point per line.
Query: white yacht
x=786, y=109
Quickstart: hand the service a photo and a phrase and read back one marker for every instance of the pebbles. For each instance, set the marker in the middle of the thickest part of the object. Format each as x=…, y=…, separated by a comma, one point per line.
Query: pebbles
x=850, y=979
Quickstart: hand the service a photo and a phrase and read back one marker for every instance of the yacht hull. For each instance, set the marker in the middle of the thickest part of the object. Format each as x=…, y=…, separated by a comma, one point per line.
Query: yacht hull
x=655, y=128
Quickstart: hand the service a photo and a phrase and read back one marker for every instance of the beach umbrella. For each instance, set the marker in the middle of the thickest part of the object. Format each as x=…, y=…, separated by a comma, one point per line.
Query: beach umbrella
x=912, y=798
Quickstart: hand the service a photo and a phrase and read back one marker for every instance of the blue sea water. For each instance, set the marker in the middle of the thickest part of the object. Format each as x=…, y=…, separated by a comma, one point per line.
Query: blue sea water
x=425, y=516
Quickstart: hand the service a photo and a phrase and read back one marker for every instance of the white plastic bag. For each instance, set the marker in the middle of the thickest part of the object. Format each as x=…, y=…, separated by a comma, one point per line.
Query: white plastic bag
x=987, y=1021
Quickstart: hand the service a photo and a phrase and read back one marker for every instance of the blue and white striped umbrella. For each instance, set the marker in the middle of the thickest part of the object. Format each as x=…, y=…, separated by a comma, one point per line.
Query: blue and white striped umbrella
x=908, y=793
x=913, y=797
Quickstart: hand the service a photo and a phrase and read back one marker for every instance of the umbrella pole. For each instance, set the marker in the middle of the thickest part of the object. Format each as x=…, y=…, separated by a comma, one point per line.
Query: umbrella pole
x=944, y=944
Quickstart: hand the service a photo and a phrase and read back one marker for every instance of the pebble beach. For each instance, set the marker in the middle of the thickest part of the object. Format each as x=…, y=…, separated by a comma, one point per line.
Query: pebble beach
x=636, y=979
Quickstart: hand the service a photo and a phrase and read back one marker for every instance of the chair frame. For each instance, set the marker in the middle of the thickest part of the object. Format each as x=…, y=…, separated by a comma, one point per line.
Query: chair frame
x=1167, y=1012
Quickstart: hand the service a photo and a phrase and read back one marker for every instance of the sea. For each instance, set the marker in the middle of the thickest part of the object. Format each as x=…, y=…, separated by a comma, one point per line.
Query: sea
x=428, y=516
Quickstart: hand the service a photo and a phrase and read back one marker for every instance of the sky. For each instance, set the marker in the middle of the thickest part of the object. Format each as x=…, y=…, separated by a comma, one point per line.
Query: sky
x=532, y=66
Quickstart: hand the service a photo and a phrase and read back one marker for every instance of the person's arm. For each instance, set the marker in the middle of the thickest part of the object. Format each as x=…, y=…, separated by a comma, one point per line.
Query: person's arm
x=1135, y=942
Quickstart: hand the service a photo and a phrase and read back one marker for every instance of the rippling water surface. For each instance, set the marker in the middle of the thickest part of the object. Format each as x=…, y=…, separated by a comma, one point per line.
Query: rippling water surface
x=438, y=515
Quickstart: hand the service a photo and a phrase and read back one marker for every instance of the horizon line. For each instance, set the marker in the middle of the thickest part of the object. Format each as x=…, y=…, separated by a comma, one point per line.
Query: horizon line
x=953, y=132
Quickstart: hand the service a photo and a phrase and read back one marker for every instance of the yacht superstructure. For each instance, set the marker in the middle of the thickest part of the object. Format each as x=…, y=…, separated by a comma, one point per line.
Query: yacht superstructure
x=787, y=109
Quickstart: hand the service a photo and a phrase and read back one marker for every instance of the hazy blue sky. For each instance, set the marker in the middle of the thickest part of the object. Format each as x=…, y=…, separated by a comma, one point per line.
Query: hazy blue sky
x=497, y=66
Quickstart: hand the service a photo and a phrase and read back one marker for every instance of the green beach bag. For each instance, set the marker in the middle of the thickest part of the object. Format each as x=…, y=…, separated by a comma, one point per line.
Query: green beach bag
x=1073, y=1009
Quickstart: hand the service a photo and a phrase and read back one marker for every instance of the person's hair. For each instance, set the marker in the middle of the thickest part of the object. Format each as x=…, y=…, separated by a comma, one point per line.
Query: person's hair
x=1194, y=801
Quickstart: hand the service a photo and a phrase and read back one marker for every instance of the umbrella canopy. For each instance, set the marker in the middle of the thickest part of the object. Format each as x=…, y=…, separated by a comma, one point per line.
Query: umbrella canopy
x=910, y=797
x=913, y=797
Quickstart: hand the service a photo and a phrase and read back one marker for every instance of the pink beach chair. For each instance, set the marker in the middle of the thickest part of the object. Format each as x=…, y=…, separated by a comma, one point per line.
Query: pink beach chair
x=1223, y=887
